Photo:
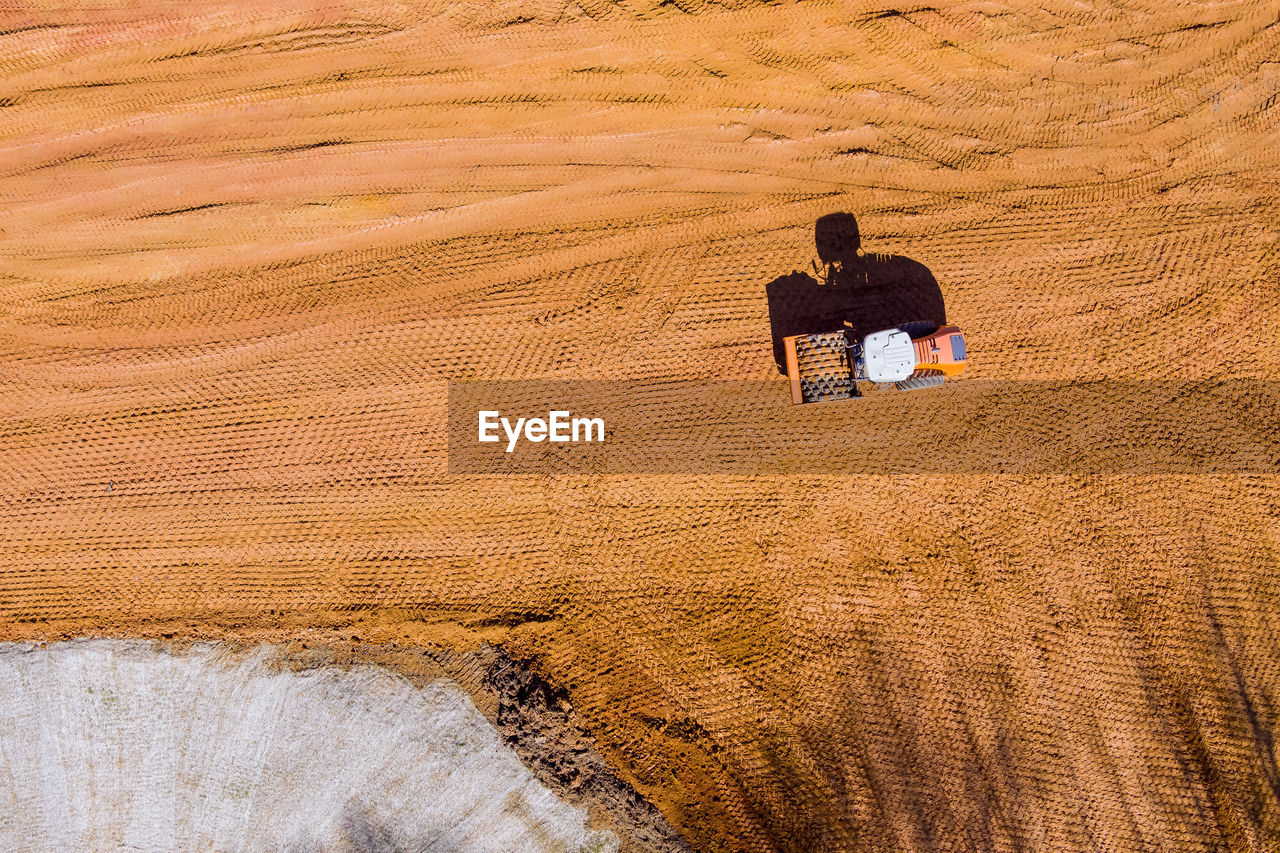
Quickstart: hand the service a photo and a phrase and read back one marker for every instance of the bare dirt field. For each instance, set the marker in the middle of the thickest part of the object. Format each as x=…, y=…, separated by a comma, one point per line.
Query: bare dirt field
x=243, y=250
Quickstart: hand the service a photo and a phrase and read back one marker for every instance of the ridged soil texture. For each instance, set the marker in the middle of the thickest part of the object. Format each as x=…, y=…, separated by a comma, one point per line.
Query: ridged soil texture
x=243, y=249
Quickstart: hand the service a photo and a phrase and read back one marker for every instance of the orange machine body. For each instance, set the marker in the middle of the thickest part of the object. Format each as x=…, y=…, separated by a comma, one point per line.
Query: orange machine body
x=828, y=366
x=943, y=351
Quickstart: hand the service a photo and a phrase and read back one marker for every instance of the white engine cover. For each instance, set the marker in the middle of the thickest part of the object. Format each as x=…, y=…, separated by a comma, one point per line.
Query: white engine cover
x=889, y=356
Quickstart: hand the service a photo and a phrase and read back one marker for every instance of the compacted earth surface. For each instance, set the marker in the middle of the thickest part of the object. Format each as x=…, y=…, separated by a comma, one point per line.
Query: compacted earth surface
x=244, y=251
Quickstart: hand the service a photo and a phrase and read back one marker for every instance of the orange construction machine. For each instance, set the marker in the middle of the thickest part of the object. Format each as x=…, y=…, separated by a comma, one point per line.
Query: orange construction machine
x=829, y=365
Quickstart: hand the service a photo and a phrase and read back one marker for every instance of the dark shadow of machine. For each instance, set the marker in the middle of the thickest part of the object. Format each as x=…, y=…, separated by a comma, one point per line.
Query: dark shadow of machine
x=853, y=289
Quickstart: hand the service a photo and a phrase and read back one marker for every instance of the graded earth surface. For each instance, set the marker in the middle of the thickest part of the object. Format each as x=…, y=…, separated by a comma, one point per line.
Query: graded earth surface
x=243, y=251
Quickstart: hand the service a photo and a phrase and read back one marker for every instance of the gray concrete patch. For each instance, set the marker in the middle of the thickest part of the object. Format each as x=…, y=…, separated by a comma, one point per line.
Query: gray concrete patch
x=110, y=744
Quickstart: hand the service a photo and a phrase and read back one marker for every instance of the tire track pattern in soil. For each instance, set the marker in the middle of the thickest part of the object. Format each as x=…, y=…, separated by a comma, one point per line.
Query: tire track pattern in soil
x=241, y=252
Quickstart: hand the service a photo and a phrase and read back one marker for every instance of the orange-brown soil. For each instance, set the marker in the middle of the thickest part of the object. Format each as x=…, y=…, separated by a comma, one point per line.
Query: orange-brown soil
x=242, y=250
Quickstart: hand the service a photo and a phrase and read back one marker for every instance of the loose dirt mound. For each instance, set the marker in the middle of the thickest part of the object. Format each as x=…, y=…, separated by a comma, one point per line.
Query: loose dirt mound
x=241, y=253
